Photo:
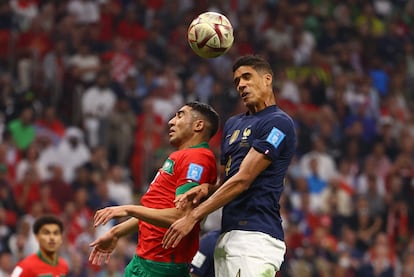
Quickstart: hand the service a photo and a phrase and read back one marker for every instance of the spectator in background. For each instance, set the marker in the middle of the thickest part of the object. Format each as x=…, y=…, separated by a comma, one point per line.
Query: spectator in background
x=364, y=223
x=7, y=199
x=62, y=191
x=203, y=82
x=27, y=191
x=72, y=152
x=86, y=65
x=24, y=11
x=325, y=167
x=85, y=11
x=54, y=65
x=30, y=159
x=22, y=129
x=96, y=104
x=119, y=186
x=50, y=125
x=6, y=263
x=120, y=132
x=148, y=138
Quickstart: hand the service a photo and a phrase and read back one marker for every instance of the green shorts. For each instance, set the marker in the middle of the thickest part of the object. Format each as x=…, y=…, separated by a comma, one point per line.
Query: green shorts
x=139, y=267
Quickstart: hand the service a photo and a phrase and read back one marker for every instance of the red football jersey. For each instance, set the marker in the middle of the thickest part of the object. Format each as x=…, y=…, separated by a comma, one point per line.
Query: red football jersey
x=35, y=266
x=183, y=169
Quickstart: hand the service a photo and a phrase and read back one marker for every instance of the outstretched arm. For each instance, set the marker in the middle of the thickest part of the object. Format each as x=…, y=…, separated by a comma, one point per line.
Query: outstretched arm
x=158, y=217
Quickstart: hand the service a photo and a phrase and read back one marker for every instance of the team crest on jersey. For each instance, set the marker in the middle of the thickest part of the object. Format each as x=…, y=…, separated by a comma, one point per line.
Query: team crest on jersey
x=234, y=136
x=275, y=137
x=246, y=133
x=194, y=172
x=168, y=166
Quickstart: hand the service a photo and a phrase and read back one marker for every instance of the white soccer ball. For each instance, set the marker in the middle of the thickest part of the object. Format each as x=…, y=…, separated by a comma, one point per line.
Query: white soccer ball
x=210, y=35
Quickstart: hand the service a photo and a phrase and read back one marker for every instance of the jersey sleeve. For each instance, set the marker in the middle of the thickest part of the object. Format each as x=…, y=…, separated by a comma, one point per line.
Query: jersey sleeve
x=273, y=136
x=194, y=169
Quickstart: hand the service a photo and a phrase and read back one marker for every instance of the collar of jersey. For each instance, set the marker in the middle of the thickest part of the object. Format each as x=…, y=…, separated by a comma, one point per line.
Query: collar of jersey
x=44, y=260
x=201, y=145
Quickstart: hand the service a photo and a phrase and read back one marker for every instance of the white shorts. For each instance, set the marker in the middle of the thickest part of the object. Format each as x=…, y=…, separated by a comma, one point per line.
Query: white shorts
x=248, y=254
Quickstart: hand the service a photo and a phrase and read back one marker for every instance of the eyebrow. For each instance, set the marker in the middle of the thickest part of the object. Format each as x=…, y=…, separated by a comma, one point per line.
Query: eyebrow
x=180, y=112
x=242, y=76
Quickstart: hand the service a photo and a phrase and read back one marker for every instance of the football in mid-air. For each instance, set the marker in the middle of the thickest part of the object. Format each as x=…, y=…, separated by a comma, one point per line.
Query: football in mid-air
x=210, y=35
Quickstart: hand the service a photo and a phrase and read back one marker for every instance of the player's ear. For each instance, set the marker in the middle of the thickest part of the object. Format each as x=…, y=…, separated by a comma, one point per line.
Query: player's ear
x=198, y=125
x=268, y=78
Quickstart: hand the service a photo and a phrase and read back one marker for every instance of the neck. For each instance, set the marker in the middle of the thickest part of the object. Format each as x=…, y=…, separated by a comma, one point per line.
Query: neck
x=50, y=258
x=191, y=143
x=270, y=101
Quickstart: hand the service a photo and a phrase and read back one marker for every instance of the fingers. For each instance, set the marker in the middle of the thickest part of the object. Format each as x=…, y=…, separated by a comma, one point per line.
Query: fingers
x=197, y=198
x=181, y=202
x=102, y=217
x=171, y=239
x=98, y=257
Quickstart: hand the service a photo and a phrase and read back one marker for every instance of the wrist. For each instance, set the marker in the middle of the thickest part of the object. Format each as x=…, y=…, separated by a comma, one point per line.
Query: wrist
x=115, y=231
x=195, y=215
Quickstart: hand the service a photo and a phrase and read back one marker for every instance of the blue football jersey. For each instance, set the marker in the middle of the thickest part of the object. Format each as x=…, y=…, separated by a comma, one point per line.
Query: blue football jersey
x=270, y=132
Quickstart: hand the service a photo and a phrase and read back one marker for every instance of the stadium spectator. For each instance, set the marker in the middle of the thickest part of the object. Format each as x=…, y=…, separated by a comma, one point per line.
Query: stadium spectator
x=73, y=151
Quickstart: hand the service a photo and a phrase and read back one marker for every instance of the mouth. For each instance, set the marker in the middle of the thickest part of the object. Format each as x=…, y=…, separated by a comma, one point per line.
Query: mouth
x=244, y=95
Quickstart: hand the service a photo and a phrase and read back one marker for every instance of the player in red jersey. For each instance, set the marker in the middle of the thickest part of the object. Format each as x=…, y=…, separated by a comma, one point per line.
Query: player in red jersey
x=46, y=262
x=192, y=164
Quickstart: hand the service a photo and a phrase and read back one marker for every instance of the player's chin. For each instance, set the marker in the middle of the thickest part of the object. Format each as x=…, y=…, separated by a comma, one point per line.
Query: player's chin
x=173, y=140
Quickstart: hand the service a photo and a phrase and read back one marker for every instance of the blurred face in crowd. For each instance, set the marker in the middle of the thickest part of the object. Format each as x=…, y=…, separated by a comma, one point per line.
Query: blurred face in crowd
x=49, y=238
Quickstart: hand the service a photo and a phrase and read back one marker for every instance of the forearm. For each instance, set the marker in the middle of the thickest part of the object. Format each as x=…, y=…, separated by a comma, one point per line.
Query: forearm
x=253, y=164
x=223, y=195
x=125, y=228
x=158, y=217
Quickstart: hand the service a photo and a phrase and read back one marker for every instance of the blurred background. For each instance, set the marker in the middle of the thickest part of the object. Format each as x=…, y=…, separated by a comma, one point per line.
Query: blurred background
x=87, y=88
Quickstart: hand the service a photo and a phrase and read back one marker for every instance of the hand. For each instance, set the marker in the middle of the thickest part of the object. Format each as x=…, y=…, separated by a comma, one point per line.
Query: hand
x=193, y=196
x=104, y=215
x=103, y=248
x=177, y=231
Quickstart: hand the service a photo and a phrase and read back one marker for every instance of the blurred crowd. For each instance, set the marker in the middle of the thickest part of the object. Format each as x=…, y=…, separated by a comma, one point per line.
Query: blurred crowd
x=87, y=88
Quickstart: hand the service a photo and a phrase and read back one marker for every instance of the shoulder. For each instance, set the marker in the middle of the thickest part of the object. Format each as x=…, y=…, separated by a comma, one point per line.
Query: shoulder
x=29, y=260
x=63, y=263
x=25, y=265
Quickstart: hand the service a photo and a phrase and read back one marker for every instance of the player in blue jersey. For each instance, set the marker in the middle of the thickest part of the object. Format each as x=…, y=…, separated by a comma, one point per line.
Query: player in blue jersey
x=202, y=264
x=257, y=147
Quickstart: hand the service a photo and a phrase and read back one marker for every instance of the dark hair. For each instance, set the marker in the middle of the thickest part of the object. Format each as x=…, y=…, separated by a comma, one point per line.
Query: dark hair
x=209, y=113
x=255, y=61
x=46, y=219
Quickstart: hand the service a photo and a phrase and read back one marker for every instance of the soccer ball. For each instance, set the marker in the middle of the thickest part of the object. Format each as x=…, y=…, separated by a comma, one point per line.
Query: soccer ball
x=210, y=35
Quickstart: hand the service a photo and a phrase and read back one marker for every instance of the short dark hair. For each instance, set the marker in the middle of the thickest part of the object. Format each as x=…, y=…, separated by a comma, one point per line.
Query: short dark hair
x=255, y=61
x=47, y=219
x=209, y=113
